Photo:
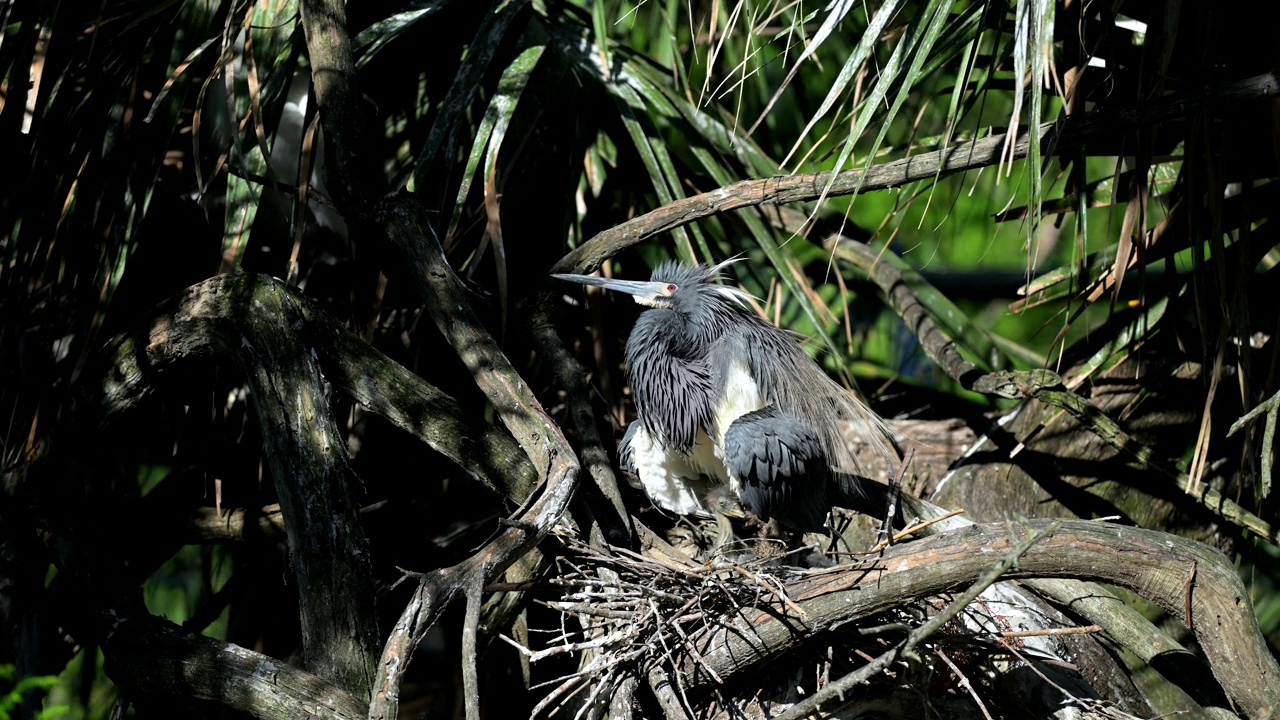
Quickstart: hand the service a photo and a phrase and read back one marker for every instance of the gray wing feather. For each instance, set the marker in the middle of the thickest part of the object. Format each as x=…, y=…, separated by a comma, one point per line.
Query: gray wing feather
x=626, y=454
x=780, y=468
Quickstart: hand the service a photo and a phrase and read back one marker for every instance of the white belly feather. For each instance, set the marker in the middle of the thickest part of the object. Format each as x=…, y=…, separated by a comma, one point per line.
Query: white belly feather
x=678, y=481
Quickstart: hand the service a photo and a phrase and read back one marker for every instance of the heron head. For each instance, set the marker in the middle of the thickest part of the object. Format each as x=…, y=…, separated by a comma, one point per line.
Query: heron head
x=670, y=282
x=654, y=293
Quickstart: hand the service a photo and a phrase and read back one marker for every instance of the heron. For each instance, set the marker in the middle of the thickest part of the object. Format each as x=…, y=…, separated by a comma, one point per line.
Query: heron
x=723, y=397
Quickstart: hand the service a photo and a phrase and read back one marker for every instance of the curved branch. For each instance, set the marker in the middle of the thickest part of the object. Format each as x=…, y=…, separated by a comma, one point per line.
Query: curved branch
x=1094, y=603
x=1150, y=563
x=158, y=658
x=909, y=648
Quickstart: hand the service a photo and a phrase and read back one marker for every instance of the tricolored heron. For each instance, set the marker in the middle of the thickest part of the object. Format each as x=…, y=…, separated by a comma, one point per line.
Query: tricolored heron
x=725, y=397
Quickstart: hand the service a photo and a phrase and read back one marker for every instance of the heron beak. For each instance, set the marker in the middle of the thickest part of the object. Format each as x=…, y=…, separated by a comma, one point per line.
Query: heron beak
x=645, y=293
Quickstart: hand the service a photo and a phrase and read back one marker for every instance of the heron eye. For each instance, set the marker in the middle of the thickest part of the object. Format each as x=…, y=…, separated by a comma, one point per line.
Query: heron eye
x=671, y=287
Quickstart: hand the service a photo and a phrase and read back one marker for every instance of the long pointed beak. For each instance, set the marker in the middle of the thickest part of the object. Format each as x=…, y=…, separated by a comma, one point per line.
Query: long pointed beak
x=641, y=290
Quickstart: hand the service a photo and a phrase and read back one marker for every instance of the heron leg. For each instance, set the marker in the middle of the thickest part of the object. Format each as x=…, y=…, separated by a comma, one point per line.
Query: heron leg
x=777, y=464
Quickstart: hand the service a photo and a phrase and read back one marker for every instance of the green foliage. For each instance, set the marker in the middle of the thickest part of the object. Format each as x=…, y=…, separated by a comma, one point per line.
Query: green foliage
x=177, y=588
x=26, y=689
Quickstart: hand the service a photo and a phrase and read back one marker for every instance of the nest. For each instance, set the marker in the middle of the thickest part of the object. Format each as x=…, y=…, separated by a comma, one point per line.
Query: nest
x=640, y=628
x=634, y=620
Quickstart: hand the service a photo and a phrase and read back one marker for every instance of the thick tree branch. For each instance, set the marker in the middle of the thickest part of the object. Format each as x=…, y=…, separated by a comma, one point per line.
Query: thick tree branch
x=346, y=117
x=307, y=455
x=1090, y=601
x=1150, y=563
x=1039, y=384
x=909, y=647
x=153, y=656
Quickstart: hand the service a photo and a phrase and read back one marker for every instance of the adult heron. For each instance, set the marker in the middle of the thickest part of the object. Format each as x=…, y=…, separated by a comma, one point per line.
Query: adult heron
x=723, y=396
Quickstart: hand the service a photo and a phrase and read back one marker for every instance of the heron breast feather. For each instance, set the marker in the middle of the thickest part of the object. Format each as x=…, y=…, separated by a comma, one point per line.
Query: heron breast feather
x=739, y=395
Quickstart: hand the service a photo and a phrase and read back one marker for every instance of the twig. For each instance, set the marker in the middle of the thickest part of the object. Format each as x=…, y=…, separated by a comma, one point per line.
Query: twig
x=917, y=527
x=926, y=523
x=563, y=692
x=603, y=613
x=1190, y=584
x=1083, y=630
x=697, y=657
x=895, y=491
x=599, y=686
x=964, y=682
x=1271, y=406
x=777, y=591
x=618, y=638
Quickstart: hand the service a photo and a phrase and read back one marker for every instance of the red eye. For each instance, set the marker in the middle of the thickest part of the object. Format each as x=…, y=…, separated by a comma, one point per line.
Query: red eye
x=671, y=288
